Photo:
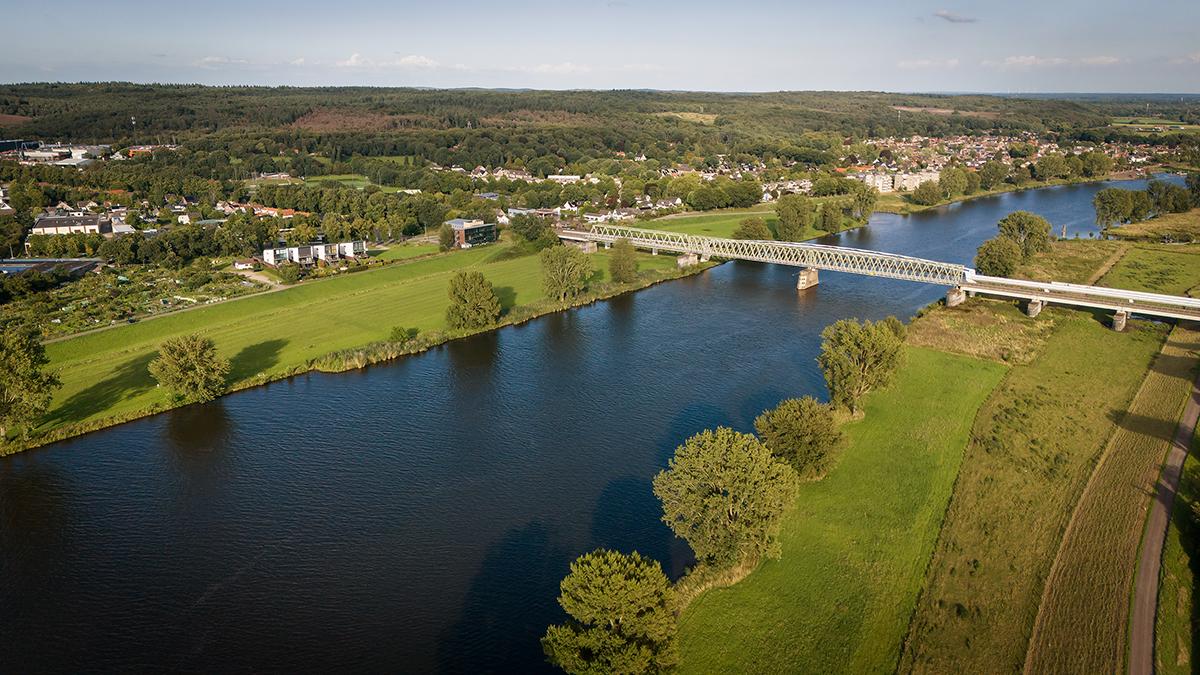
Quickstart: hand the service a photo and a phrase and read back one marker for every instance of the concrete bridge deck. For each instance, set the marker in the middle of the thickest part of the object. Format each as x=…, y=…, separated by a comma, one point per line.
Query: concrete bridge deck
x=963, y=279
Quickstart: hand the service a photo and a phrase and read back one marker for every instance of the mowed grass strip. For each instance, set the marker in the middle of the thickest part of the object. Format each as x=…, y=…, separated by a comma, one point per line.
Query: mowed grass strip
x=105, y=374
x=855, y=549
x=1033, y=447
x=1175, y=629
x=1083, y=622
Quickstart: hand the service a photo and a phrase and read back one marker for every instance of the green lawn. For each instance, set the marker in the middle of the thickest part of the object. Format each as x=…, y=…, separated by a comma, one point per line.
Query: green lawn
x=855, y=550
x=104, y=374
x=721, y=225
x=1175, y=633
x=353, y=180
x=1174, y=270
x=403, y=251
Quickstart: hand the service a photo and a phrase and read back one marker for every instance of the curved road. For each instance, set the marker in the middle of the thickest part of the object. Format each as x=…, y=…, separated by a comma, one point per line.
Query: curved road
x=1145, y=590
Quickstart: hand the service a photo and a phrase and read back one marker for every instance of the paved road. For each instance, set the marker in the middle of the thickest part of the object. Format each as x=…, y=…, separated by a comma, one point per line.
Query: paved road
x=1145, y=591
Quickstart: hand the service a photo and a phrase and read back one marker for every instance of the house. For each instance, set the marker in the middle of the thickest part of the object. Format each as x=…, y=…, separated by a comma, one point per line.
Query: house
x=563, y=179
x=487, y=195
x=244, y=264
x=71, y=223
x=310, y=254
x=468, y=233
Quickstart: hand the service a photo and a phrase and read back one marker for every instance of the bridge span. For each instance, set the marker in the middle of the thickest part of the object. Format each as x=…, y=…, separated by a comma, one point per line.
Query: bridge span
x=963, y=280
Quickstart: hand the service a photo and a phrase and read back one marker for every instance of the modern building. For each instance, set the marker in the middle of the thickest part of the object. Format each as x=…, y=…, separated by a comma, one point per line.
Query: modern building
x=468, y=233
x=71, y=223
x=310, y=254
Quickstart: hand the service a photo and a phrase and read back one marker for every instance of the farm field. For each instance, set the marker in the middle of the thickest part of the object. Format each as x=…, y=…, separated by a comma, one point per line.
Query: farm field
x=854, y=550
x=1082, y=625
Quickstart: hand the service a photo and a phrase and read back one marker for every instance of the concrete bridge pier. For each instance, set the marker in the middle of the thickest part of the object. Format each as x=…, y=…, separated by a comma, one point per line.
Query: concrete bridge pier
x=1034, y=308
x=955, y=297
x=653, y=251
x=686, y=260
x=808, y=278
x=704, y=257
x=1119, y=320
x=607, y=245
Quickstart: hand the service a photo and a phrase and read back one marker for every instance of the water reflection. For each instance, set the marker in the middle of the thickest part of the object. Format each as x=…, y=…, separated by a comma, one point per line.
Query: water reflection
x=36, y=514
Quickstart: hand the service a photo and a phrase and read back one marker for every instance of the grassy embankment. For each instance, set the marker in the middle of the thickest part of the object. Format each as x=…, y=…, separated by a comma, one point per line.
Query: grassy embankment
x=853, y=552
x=1033, y=451
x=1082, y=625
x=1175, y=632
x=1178, y=226
x=266, y=337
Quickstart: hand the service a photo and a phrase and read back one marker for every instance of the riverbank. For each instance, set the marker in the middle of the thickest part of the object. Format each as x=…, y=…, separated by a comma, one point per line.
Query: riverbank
x=313, y=326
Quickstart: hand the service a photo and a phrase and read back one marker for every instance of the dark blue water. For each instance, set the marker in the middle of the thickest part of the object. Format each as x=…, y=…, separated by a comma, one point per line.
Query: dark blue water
x=418, y=516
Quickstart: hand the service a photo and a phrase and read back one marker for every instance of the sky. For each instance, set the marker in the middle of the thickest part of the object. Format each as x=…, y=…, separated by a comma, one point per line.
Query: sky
x=1017, y=46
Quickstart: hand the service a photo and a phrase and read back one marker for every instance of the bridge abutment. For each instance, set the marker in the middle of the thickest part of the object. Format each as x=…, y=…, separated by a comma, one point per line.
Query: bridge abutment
x=1033, y=308
x=955, y=297
x=1119, y=320
x=808, y=278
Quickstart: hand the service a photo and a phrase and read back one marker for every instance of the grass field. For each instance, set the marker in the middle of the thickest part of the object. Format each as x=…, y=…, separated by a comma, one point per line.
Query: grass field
x=1174, y=270
x=723, y=224
x=984, y=329
x=854, y=550
x=405, y=251
x=1033, y=447
x=1175, y=632
x=104, y=374
x=353, y=180
x=1072, y=261
x=1178, y=226
x=1082, y=623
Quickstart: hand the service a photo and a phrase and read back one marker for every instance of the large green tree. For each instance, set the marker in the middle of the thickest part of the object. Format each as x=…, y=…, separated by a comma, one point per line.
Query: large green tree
x=795, y=215
x=623, y=265
x=858, y=358
x=754, y=228
x=998, y=257
x=803, y=433
x=473, y=303
x=565, y=271
x=831, y=217
x=927, y=193
x=25, y=390
x=726, y=494
x=1032, y=233
x=622, y=611
x=865, y=198
x=188, y=365
x=992, y=173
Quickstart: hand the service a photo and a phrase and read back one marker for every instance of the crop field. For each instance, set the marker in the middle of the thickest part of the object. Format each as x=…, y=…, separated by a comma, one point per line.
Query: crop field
x=104, y=374
x=855, y=548
x=1175, y=632
x=1033, y=447
x=1083, y=622
x=1174, y=270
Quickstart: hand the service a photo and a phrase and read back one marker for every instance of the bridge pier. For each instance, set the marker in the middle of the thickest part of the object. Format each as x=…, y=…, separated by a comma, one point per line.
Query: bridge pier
x=653, y=251
x=955, y=297
x=686, y=260
x=808, y=278
x=607, y=245
x=1034, y=308
x=704, y=257
x=1119, y=320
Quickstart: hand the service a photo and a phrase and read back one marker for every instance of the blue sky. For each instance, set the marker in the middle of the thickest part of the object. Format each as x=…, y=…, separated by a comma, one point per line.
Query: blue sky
x=1020, y=46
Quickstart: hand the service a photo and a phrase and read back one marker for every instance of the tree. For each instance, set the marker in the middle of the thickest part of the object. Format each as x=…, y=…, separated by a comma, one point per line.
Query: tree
x=25, y=391
x=801, y=432
x=1032, y=233
x=998, y=257
x=865, y=199
x=991, y=174
x=188, y=365
x=1112, y=206
x=565, y=271
x=831, y=217
x=795, y=213
x=623, y=265
x=1096, y=164
x=445, y=237
x=927, y=194
x=622, y=611
x=725, y=494
x=1193, y=185
x=952, y=181
x=289, y=272
x=858, y=358
x=754, y=228
x=473, y=303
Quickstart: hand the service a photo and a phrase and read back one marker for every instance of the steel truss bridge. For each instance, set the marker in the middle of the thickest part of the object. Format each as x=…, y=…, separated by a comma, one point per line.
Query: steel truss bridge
x=874, y=263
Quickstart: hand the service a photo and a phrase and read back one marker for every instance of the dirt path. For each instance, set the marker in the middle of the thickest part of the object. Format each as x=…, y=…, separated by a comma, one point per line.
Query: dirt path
x=1145, y=590
x=1109, y=264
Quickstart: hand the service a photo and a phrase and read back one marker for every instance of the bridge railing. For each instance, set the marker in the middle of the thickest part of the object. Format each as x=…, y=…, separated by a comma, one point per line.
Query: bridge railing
x=799, y=254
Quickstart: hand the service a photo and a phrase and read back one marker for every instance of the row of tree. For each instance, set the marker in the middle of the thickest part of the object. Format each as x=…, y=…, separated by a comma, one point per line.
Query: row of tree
x=1121, y=206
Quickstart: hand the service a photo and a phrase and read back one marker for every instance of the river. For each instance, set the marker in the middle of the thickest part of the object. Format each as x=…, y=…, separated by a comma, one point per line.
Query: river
x=417, y=516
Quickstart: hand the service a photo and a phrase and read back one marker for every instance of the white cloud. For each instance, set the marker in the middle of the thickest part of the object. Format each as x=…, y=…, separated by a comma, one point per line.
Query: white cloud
x=1191, y=60
x=1024, y=63
x=219, y=61
x=298, y=62
x=414, y=61
x=560, y=69
x=1099, y=61
x=926, y=63
x=355, y=61
x=952, y=17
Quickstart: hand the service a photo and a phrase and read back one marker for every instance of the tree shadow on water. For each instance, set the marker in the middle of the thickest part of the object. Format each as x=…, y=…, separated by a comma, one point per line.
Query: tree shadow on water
x=628, y=518
x=511, y=602
x=255, y=359
x=130, y=380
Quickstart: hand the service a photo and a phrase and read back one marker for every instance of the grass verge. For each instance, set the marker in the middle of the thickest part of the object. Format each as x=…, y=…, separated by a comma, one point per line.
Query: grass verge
x=1082, y=625
x=854, y=550
x=1033, y=447
x=1175, y=630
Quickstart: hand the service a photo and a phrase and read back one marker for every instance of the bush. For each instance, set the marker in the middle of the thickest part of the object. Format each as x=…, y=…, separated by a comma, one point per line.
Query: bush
x=473, y=303
x=754, y=228
x=803, y=433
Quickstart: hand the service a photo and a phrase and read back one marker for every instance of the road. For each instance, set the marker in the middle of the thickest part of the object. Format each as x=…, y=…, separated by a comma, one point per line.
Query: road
x=1145, y=590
